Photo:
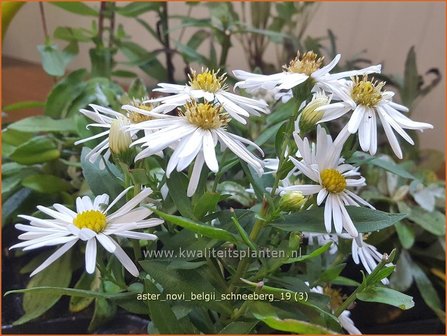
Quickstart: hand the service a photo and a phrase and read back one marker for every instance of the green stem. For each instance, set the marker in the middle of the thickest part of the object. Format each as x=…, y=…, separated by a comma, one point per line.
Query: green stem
x=166, y=41
x=254, y=234
x=224, y=52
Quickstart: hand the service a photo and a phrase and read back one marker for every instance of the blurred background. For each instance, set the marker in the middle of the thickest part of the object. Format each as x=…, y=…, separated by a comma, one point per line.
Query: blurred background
x=380, y=32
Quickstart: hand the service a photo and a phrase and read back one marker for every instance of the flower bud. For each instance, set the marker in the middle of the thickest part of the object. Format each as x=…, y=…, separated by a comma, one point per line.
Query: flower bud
x=292, y=201
x=309, y=117
x=119, y=140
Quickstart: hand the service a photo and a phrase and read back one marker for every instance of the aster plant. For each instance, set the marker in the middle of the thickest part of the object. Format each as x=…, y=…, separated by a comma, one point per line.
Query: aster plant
x=266, y=202
x=180, y=154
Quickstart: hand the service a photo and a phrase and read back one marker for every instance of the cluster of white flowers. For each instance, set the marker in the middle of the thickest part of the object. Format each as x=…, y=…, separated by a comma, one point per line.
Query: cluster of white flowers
x=192, y=120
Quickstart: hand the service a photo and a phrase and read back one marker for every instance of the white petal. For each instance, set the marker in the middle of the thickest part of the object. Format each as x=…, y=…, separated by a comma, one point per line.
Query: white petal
x=55, y=214
x=356, y=119
x=324, y=70
x=347, y=222
x=337, y=214
x=125, y=260
x=137, y=235
x=321, y=196
x=90, y=256
x=52, y=258
x=106, y=242
x=195, y=175
x=131, y=204
x=209, y=152
x=328, y=214
x=305, y=189
x=391, y=137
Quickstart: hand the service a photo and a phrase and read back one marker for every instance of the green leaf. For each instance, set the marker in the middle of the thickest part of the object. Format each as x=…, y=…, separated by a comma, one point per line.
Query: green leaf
x=235, y=192
x=427, y=290
x=34, y=303
x=137, y=89
x=42, y=124
x=412, y=80
x=53, y=60
x=402, y=278
x=97, y=90
x=433, y=222
x=186, y=281
x=406, y=234
x=387, y=296
x=100, y=180
x=13, y=203
x=206, y=230
x=63, y=94
x=137, y=8
x=293, y=326
x=23, y=105
x=72, y=292
x=73, y=34
x=313, y=254
x=37, y=150
x=104, y=312
x=268, y=133
x=179, y=182
x=206, y=203
x=238, y=327
x=300, y=297
x=362, y=158
x=185, y=265
x=365, y=220
x=161, y=314
x=331, y=273
x=47, y=184
x=88, y=282
x=76, y=8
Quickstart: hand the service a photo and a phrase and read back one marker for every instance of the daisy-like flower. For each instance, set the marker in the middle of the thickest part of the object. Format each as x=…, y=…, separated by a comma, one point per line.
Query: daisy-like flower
x=194, y=134
x=369, y=102
x=303, y=67
x=104, y=118
x=323, y=165
x=210, y=86
x=90, y=223
x=115, y=138
x=367, y=255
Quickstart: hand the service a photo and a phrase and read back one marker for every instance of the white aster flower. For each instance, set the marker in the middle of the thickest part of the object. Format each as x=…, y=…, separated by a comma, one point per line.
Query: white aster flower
x=323, y=165
x=115, y=135
x=90, y=223
x=367, y=255
x=104, y=118
x=194, y=134
x=211, y=87
x=367, y=101
x=309, y=65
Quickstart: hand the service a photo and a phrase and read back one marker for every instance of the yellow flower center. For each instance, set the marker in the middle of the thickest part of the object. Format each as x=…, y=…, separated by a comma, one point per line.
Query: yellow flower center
x=91, y=219
x=208, y=80
x=333, y=181
x=367, y=92
x=136, y=117
x=205, y=115
x=307, y=64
